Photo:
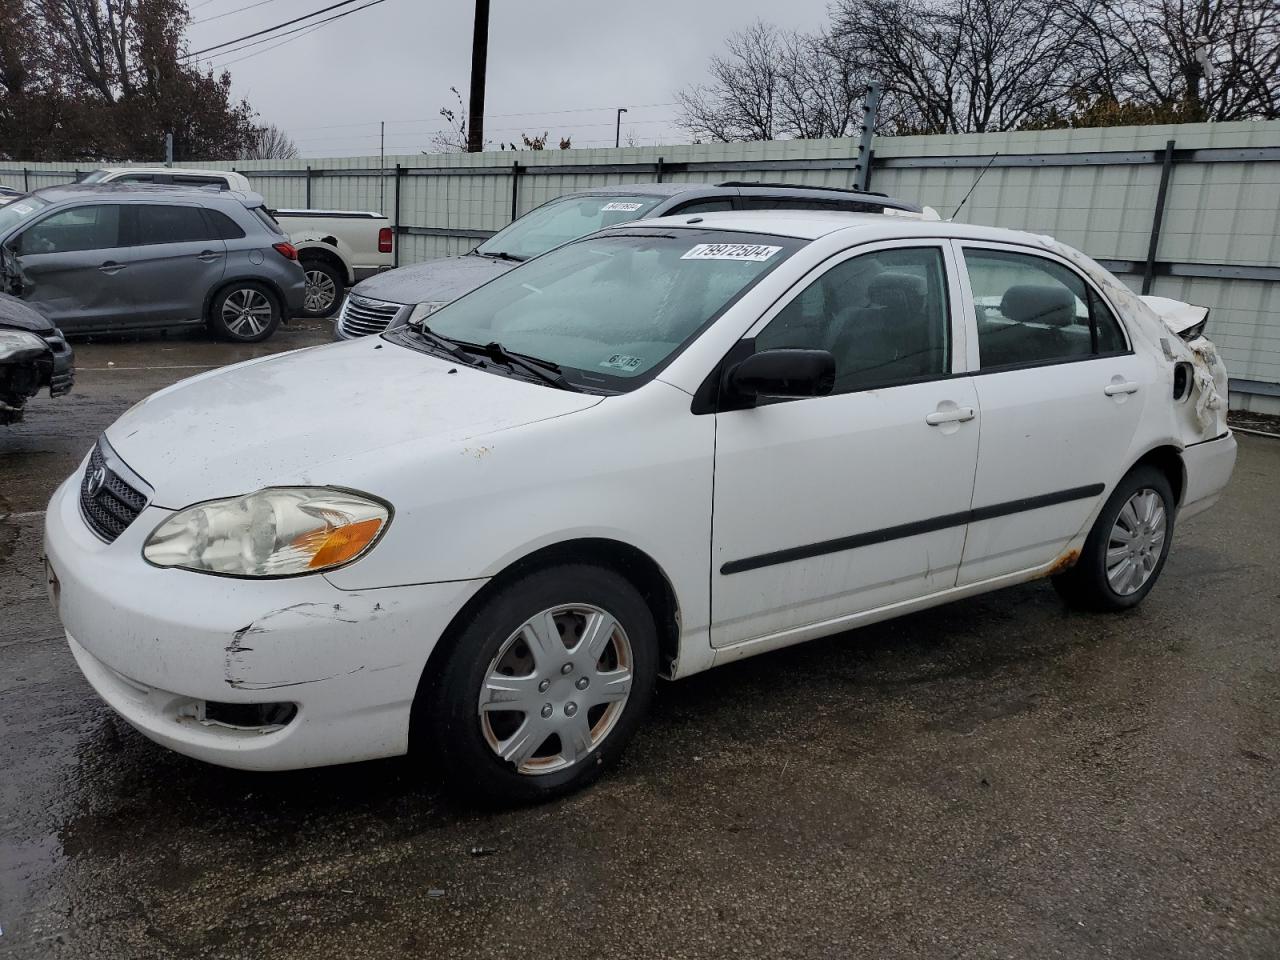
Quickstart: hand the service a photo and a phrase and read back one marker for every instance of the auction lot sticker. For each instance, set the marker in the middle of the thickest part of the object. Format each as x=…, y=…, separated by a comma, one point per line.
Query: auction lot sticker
x=622, y=206
x=731, y=251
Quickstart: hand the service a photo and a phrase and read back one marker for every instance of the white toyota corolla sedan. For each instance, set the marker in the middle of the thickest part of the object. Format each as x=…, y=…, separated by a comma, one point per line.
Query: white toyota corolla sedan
x=646, y=453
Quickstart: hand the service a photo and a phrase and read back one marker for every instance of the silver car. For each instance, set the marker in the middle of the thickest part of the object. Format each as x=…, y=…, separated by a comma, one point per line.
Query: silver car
x=105, y=258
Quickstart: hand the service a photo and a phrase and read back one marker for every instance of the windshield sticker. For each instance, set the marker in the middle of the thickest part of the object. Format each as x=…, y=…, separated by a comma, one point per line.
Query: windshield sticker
x=620, y=362
x=23, y=208
x=621, y=206
x=731, y=251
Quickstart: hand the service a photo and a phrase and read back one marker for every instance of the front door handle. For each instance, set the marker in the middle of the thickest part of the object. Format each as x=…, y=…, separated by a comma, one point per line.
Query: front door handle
x=954, y=415
x=1123, y=386
x=111, y=267
x=208, y=256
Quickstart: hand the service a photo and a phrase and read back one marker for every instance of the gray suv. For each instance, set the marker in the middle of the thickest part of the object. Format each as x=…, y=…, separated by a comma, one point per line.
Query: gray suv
x=106, y=258
x=391, y=298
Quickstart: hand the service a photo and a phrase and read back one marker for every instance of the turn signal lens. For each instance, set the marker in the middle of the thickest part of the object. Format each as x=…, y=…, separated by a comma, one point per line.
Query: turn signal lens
x=277, y=532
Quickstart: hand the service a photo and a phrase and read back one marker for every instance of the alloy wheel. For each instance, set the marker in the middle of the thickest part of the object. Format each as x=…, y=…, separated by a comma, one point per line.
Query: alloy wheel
x=1136, y=542
x=246, y=312
x=556, y=688
x=321, y=293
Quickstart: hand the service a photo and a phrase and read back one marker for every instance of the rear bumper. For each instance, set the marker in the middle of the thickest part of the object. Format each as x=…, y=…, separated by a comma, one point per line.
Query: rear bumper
x=63, y=375
x=1209, y=466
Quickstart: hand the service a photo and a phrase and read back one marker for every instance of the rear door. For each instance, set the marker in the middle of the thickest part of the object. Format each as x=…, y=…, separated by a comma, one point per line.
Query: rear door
x=76, y=268
x=1061, y=394
x=178, y=257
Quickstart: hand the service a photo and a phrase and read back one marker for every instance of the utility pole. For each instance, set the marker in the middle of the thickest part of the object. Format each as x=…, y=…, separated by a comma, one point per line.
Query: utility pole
x=479, y=58
x=617, y=132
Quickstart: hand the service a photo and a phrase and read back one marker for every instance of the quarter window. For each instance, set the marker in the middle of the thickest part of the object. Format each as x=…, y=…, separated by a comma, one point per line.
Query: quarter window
x=882, y=315
x=94, y=227
x=1034, y=311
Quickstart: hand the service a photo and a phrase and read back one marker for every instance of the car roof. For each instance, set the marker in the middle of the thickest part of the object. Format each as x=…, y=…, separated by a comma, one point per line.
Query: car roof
x=745, y=188
x=197, y=171
x=142, y=191
x=814, y=224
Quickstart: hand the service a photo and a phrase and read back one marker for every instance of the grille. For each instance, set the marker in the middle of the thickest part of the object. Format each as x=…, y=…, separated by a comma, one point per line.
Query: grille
x=114, y=505
x=361, y=317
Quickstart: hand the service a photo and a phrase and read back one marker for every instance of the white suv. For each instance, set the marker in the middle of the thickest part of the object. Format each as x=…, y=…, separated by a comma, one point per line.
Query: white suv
x=648, y=452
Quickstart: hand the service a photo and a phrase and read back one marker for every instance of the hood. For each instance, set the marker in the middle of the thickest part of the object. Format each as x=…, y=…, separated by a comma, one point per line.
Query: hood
x=436, y=281
x=15, y=314
x=317, y=416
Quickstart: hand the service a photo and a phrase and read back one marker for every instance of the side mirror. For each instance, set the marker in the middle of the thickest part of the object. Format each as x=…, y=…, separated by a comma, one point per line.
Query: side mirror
x=783, y=373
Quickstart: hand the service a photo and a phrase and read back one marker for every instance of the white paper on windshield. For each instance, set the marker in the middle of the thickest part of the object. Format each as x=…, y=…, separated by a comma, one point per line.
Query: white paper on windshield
x=622, y=206
x=23, y=208
x=621, y=361
x=731, y=251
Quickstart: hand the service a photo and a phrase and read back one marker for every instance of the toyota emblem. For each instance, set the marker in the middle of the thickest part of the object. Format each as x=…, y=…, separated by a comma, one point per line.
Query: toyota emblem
x=97, y=478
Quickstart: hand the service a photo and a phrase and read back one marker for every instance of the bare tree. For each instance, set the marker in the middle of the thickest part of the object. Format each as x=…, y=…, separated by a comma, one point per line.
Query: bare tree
x=961, y=66
x=269, y=143
x=1185, y=60
x=740, y=103
x=453, y=139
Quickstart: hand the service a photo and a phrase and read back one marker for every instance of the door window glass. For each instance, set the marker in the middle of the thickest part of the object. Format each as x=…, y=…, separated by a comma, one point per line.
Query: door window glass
x=94, y=227
x=710, y=205
x=170, y=224
x=882, y=315
x=1032, y=311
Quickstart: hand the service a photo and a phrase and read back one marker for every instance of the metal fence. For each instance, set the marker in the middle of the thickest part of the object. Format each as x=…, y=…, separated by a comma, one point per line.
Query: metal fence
x=1188, y=211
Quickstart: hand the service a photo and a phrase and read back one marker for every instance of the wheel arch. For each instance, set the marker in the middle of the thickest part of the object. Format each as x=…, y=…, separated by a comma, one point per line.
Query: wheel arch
x=329, y=255
x=1167, y=458
x=630, y=562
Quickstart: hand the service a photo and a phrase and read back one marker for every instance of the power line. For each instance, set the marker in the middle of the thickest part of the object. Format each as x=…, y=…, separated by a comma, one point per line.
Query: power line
x=249, y=56
x=305, y=27
x=219, y=16
x=258, y=33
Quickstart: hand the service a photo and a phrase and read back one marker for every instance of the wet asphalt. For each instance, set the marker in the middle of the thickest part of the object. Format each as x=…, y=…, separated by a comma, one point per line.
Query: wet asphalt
x=995, y=778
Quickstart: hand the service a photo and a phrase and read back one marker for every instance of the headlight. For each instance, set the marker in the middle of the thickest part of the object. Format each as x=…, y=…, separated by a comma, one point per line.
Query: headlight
x=14, y=343
x=277, y=532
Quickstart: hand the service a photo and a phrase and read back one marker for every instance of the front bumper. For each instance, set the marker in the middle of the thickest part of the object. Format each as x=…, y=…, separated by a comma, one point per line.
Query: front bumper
x=157, y=645
x=1209, y=466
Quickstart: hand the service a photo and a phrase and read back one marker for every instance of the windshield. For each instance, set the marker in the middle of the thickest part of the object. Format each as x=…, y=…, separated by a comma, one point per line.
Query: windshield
x=612, y=308
x=563, y=220
x=12, y=214
x=97, y=176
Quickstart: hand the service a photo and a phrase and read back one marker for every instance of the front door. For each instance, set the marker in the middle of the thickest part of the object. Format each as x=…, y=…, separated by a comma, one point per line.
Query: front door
x=1061, y=394
x=178, y=258
x=75, y=267
x=835, y=505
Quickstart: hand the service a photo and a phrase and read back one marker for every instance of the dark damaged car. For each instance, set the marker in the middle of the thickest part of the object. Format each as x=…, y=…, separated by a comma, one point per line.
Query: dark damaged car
x=33, y=355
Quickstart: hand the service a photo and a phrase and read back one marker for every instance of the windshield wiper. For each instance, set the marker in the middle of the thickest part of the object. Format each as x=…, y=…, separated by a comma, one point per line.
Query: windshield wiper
x=442, y=343
x=503, y=255
x=544, y=370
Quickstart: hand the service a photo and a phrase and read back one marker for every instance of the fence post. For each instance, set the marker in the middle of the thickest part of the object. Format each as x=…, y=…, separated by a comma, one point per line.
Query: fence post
x=396, y=246
x=866, y=177
x=1166, y=170
x=659, y=169
x=515, y=189
x=308, y=203
x=26, y=180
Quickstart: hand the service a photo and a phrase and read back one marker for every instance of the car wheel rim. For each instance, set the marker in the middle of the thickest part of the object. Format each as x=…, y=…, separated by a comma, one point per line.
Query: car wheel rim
x=556, y=688
x=246, y=313
x=1136, y=542
x=321, y=291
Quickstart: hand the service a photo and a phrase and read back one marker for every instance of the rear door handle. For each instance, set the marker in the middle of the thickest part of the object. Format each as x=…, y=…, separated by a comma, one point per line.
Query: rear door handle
x=1125, y=386
x=208, y=256
x=958, y=415
x=111, y=267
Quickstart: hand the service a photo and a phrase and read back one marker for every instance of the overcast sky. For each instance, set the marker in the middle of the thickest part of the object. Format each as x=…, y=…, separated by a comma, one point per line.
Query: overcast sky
x=554, y=65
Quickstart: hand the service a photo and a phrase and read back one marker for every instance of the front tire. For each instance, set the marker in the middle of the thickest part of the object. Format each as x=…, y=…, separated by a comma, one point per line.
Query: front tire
x=1127, y=547
x=324, y=288
x=541, y=692
x=244, y=312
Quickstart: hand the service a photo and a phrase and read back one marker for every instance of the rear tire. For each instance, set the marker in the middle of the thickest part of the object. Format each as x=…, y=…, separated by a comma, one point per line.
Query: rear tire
x=542, y=690
x=325, y=284
x=244, y=312
x=1127, y=547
